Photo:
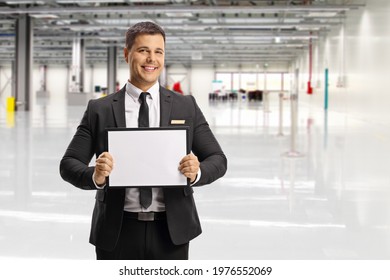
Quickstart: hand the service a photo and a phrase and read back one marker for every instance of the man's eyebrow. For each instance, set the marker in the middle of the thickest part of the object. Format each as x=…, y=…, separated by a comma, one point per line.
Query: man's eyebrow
x=145, y=47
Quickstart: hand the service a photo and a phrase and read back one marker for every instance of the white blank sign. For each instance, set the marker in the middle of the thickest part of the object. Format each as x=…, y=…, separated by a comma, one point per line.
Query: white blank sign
x=147, y=157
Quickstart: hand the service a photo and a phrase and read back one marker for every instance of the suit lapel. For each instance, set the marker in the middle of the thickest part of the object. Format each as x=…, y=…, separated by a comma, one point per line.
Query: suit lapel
x=165, y=106
x=118, y=107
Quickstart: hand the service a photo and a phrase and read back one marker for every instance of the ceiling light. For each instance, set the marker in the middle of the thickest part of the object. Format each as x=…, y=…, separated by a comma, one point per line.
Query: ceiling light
x=46, y=16
x=87, y=1
x=175, y=15
x=307, y=28
x=196, y=55
x=322, y=14
x=24, y=2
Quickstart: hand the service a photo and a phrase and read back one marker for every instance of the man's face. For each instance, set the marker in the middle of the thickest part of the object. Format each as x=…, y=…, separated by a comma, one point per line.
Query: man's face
x=146, y=60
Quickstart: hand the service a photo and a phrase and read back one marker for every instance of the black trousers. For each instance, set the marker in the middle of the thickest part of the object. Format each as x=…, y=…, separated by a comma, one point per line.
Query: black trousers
x=144, y=240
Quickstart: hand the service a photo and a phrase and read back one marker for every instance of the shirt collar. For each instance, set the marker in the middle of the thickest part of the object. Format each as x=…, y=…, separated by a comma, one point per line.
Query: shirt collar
x=135, y=92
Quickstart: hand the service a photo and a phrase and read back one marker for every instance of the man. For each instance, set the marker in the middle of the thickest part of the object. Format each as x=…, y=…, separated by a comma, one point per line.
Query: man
x=123, y=226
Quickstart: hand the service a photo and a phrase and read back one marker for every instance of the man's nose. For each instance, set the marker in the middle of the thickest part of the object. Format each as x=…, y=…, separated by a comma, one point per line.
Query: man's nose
x=151, y=57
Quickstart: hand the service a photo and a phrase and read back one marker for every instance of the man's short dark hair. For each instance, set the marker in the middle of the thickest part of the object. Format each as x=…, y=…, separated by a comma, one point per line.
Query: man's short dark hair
x=145, y=27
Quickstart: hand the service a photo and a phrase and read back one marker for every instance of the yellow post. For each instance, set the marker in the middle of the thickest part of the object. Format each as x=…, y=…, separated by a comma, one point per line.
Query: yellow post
x=10, y=104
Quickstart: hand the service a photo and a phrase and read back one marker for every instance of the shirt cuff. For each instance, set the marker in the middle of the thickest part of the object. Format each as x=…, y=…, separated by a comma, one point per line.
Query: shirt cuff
x=197, y=177
x=96, y=185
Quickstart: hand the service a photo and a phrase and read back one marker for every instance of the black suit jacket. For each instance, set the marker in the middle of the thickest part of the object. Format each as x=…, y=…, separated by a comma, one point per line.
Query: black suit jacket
x=108, y=112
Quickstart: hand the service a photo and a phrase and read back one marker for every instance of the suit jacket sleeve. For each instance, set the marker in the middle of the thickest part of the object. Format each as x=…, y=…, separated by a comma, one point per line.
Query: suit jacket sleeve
x=213, y=162
x=74, y=164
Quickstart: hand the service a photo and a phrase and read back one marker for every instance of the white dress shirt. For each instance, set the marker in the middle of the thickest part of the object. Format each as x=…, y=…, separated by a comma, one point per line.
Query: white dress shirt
x=132, y=106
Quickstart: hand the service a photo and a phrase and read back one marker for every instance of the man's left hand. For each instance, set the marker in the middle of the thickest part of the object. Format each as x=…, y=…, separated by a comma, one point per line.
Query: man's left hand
x=189, y=166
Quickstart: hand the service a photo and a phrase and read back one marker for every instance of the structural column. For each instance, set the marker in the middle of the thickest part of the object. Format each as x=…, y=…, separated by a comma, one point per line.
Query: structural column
x=24, y=61
x=42, y=92
x=42, y=77
x=76, y=83
x=111, y=69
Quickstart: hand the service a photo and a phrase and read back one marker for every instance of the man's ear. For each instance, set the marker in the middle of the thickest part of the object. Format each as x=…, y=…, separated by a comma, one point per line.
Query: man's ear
x=126, y=54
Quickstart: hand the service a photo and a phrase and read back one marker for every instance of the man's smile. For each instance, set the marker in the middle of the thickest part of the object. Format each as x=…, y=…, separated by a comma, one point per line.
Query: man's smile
x=149, y=68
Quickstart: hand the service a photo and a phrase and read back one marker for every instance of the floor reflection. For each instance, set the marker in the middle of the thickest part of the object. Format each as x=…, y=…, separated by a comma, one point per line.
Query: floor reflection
x=331, y=203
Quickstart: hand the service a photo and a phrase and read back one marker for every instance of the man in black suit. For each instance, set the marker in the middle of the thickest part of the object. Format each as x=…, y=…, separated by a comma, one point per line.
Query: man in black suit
x=123, y=226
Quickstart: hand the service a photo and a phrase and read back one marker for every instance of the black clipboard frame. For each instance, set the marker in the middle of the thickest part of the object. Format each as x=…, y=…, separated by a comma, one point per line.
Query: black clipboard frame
x=106, y=146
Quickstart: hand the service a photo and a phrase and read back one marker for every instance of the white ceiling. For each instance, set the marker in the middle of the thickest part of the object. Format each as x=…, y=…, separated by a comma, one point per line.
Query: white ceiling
x=207, y=31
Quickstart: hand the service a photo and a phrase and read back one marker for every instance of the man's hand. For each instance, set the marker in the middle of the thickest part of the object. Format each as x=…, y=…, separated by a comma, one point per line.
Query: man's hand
x=189, y=166
x=103, y=167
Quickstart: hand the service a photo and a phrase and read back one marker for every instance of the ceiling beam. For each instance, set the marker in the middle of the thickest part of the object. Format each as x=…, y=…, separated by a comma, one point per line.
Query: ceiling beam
x=181, y=9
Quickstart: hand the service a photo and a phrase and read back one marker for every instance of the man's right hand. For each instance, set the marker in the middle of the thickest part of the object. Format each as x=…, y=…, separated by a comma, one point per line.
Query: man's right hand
x=103, y=167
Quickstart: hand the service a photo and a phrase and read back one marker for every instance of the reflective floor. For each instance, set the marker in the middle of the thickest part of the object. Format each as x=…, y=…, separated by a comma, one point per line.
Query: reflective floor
x=326, y=197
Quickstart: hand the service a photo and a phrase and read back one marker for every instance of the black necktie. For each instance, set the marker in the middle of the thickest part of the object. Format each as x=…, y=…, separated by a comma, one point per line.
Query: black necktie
x=145, y=194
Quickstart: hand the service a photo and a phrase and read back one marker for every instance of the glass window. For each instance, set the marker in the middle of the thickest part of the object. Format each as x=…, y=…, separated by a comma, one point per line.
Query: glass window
x=236, y=81
x=260, y=81
x=287, y=81
x=274, y=81
x=255, y=81
x=248, y=81
x=226, y=79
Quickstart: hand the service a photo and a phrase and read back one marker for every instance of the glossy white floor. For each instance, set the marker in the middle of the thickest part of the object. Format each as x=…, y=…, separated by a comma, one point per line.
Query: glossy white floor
x=331, y=203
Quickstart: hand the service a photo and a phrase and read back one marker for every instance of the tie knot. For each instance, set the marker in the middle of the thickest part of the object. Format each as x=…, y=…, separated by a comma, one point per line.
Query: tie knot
x=142, y=97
